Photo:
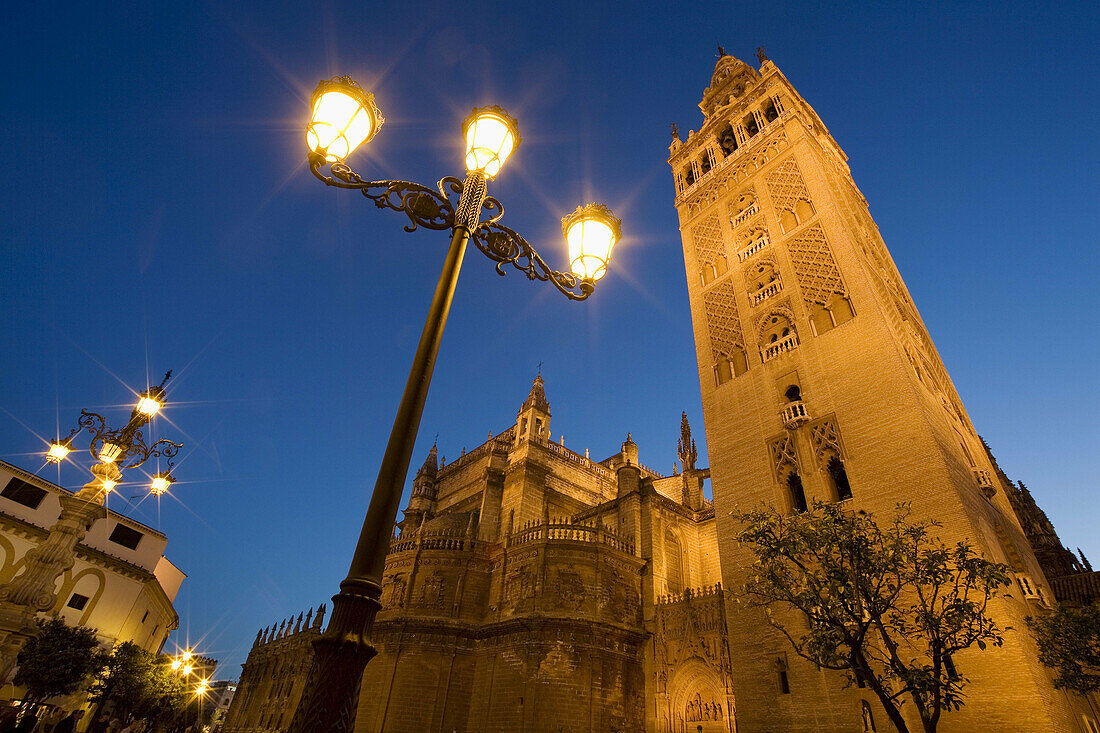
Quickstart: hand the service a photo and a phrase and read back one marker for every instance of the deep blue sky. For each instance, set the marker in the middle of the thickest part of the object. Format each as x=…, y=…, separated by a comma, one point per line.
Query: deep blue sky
x=157, y=214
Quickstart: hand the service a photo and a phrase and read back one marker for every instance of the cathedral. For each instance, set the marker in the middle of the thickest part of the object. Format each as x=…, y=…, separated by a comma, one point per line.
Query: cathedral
x=532, y=588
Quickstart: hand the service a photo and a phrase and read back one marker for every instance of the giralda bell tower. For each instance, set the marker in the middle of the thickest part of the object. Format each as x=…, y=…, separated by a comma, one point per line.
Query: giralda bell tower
x=820, y=381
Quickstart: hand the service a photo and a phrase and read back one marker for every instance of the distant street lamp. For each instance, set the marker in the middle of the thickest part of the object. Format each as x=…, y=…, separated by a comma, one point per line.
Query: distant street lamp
x=116, y=450
x=344, y=116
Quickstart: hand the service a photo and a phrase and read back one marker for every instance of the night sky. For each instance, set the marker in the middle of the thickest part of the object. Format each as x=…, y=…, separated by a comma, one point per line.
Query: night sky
x=157, y=214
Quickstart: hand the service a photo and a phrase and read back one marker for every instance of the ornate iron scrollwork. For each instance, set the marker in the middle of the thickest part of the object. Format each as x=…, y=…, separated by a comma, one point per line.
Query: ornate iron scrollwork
x=133, y=451
x=505, y=246
x=431, y=210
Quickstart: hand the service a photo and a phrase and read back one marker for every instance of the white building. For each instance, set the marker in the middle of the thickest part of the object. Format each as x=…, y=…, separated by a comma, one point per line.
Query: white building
x=120, y=584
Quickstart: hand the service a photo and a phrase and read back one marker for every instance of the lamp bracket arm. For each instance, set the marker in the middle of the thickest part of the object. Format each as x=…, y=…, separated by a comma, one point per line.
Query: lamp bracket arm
x=424, y=207
x=95, y=424
x=504, y=246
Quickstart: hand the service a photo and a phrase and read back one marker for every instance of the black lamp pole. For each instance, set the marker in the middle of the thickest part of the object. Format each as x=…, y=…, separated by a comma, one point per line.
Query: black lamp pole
x=330, y=698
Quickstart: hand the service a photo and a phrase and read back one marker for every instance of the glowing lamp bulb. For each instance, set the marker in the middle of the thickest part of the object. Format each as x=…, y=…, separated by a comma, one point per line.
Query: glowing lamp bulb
x=161, y=483
x=491, y=135
x=187, y=669
x=591, y=233
x=176, y=664
x=343, y=117
x=108, y=484
x=148, y=406
x=109, y=452
x=59, y=450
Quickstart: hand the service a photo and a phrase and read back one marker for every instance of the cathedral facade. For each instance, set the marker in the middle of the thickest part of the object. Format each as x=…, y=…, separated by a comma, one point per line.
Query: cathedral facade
x=531, y=588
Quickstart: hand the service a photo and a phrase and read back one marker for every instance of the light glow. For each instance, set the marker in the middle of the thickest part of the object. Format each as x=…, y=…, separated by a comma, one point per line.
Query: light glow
x=109, y=452
x=161, y=483
x=187, y=669
x=591, y=233
x=108, y=484
x=148, y=407
x=491, y=136
x=343, y=117
x=176, y=664
x=59, y=450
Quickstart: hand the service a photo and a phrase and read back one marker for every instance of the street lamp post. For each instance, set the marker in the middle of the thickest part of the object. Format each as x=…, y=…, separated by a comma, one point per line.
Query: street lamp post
x=344, y=116
x=116, y=450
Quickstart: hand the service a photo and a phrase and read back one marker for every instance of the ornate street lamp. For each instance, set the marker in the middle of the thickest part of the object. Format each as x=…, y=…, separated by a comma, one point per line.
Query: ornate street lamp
x=124, y=448
x=344, y=116
x=116, y=450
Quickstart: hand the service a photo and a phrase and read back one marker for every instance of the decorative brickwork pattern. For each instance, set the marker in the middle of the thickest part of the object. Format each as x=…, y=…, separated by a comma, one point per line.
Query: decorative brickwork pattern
x=784, y=459
x=785, y=185
x=814, y=266
x=723, y=323
x=707, y=236
x=825, y=438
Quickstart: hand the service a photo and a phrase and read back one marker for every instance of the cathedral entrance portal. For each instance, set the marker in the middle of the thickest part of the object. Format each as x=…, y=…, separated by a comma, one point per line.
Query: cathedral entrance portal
x=698, y=701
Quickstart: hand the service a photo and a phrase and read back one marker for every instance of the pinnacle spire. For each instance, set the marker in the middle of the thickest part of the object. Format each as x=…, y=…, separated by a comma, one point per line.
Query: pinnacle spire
x=685, y=447
x=431, y=466
x=537, y=396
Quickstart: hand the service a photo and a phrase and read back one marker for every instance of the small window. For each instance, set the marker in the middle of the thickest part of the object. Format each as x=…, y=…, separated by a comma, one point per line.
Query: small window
x=144, y=616
x=840, y=479
x=793, y=393
x=78, y=601
x=126, y=537
x=798, y=494
x=23, y=493
x=781, y=676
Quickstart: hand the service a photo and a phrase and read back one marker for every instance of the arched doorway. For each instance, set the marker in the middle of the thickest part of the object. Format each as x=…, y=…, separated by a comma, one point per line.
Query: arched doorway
x=697, y=699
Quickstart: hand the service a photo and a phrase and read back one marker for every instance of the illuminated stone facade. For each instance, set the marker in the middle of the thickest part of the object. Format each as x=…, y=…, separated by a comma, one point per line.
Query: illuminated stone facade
x=119, y=583
x=530, y=588
x=820, y=381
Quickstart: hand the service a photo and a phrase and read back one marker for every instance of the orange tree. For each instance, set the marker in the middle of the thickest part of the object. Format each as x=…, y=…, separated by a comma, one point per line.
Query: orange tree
x=887, y=605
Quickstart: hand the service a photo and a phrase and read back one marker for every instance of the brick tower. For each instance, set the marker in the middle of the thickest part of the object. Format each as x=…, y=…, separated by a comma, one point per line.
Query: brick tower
x=820, y=381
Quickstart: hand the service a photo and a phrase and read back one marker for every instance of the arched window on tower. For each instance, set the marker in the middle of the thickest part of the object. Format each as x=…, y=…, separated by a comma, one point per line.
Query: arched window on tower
x=839, y=478
x=777, y=336
x=711, y=271
x=742, y=207
x=729, y=366
x=798, y=494
x=800, y=213
x=764, y=281
x=727, y=141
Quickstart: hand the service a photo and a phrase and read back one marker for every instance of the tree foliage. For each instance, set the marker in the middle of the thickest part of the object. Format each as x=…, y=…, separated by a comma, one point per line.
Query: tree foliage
x=58, y=660
x=1069, y=643
x=889, y=606
x=141, y=684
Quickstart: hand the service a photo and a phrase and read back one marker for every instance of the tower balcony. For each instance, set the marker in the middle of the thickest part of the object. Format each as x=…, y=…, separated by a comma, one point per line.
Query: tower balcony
x=985, y=482
x=765, y=292
x=777, y=348
x=794, y=414
x=745, y=215
x=757, y=244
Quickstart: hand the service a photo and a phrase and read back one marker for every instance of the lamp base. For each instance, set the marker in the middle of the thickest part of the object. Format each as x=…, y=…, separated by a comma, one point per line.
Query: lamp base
x=331, y=695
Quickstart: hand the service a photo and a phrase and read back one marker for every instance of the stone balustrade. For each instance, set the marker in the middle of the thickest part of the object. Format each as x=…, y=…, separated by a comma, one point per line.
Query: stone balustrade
x=794, y=414
x=782, y=346
x=766, y=292
x=568, y=532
